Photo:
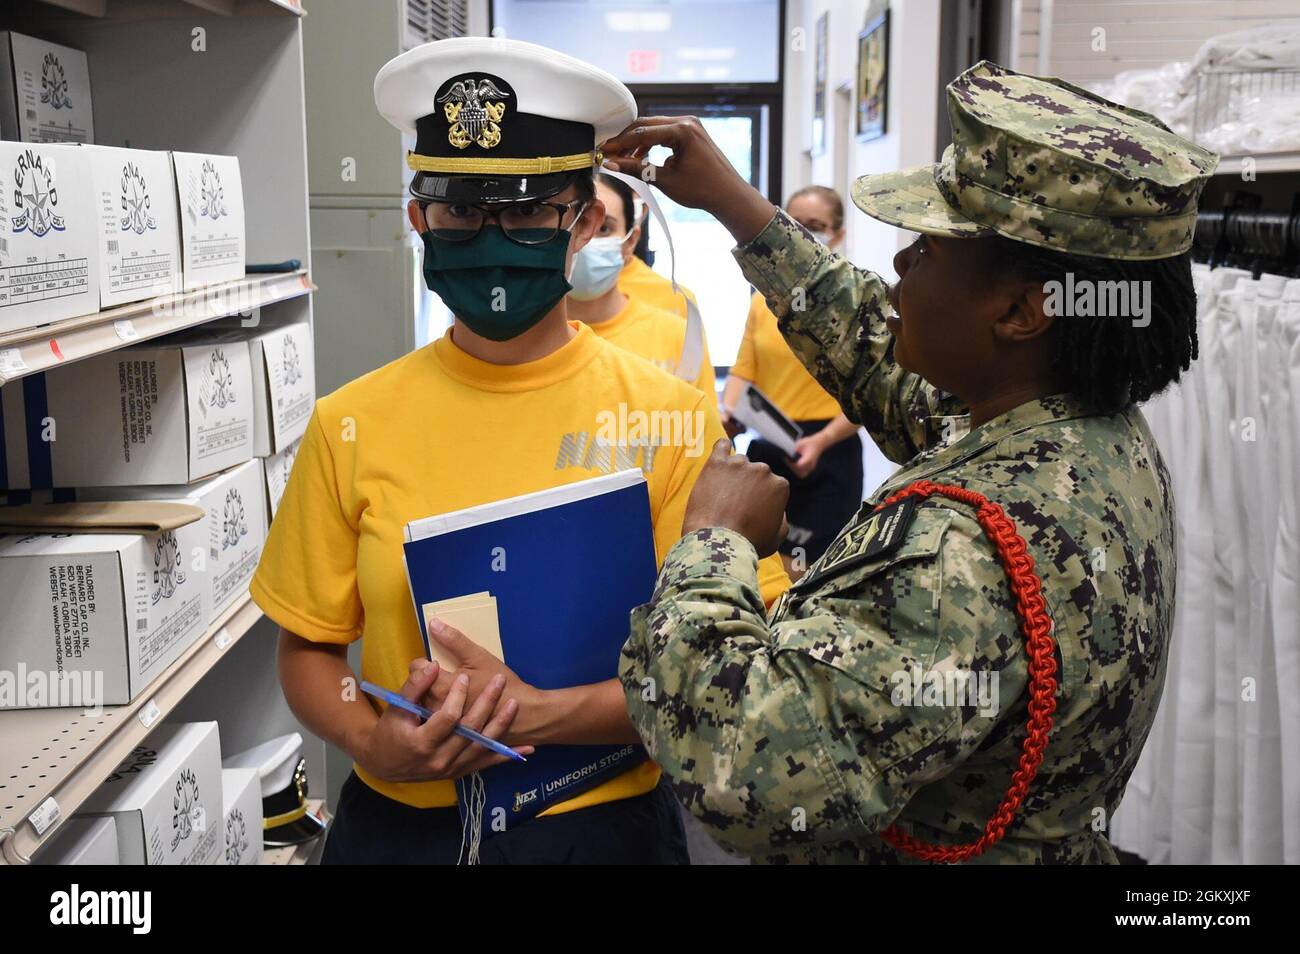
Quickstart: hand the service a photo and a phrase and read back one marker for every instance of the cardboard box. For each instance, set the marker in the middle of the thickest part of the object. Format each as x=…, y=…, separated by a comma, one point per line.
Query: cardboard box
x=49, y=267
x=166, y=798
x=92, y=618
x=277, y=468
x=139, y=244
x=83, y=841
x=284, y=377
x=234, y=502
x=242, y=801
x=44, y=91
x=284, y=385
x=166, y=414
x=283, y=364
x=211, y=199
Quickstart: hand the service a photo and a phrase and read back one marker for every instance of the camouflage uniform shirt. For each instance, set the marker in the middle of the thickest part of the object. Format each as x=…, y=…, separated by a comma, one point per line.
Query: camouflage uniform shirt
x=798, y=737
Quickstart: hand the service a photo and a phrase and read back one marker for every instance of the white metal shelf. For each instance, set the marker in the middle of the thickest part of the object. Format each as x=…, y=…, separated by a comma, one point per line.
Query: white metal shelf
x=115, y=9
x=234, y=8
x=299, y=854
x=1264, y=162
x=32, y=350
x=245, y=96
x=65, y=754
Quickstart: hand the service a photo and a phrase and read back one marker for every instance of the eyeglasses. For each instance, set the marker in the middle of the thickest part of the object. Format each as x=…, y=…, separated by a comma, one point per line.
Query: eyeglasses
x=524, y=223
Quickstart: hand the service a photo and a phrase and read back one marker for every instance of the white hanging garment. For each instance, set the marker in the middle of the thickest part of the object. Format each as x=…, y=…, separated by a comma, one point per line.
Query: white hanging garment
x=1260, y=816
x=1285, y=582
x=1224, y=845
x=1219, y=778
x=1191, y=779
x=1167, y=807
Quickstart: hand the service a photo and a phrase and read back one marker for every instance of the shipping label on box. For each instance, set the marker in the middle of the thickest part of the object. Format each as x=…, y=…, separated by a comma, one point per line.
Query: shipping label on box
x=92, y=619
x=172, y=606
x=235, y=503
x=45, y=91
x=284, y=374
x=48, y=258
x=211, y=201
x=242, y=798
x=289, y=363
x=234, y=507
x=283, y=364
x=219, y=394
x=66, y=622
x=145, y=415
x=139, y=234
x=166, y=798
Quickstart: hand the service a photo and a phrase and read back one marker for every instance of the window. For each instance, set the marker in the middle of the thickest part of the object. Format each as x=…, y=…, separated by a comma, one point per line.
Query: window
x=670, y=41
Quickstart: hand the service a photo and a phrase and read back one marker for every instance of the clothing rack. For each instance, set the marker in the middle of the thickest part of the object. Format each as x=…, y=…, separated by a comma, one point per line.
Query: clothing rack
x=1244, y=236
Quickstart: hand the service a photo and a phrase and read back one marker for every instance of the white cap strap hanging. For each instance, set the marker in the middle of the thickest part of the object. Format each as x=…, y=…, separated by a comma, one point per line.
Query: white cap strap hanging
x=692, y=356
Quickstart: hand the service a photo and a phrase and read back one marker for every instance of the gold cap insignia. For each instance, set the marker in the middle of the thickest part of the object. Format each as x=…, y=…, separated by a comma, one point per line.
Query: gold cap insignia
x=472, y=112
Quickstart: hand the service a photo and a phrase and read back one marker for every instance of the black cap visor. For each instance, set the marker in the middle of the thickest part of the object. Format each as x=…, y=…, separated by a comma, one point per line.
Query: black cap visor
x=294, y=833
x=437, y=187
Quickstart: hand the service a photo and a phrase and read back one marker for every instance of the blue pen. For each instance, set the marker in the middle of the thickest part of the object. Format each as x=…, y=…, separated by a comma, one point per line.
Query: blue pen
x=393, y=699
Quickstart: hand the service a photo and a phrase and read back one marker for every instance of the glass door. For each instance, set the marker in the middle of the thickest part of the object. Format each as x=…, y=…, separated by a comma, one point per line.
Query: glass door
x=704, y=261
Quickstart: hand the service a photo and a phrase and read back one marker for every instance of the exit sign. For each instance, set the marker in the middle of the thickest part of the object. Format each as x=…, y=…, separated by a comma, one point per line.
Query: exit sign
x=642, y=62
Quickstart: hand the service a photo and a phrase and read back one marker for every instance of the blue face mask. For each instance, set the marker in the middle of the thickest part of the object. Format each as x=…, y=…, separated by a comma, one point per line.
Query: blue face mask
x=596, y=267
x=497, y=287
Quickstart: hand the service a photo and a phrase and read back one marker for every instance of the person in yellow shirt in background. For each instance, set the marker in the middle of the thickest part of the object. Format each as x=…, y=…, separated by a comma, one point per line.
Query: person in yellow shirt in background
x=638, y=280
x=826, y=473
x=598, y=300
x=509, y=401
x=653, y=333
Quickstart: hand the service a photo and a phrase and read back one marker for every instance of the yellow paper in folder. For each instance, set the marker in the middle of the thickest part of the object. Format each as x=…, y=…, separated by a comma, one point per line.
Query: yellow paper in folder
x=474, y=615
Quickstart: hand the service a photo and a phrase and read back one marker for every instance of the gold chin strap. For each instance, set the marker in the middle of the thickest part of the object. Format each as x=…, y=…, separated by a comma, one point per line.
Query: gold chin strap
x=275, y=821
x=539, y=166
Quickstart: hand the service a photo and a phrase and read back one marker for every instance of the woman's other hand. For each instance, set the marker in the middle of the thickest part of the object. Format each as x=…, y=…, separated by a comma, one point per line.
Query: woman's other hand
x=732, y=427
x=807, y=454
x=697, y=174
x=481, y=668
x=399, y=748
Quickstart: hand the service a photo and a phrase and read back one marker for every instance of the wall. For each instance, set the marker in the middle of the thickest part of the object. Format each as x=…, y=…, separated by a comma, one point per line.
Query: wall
x=1026, y=31
x=910, y=123
x=1057, y=35
x=913, y=105
x=910, y=126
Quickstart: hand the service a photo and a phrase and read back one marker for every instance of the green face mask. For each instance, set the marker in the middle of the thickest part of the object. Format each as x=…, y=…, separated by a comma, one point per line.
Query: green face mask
x=499, y=288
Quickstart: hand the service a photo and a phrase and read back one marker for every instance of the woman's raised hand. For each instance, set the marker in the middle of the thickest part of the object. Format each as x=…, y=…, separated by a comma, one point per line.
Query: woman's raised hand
x=696, y=175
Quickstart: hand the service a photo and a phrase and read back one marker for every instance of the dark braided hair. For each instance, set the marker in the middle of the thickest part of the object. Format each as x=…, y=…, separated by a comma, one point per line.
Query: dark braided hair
x=1104, y=360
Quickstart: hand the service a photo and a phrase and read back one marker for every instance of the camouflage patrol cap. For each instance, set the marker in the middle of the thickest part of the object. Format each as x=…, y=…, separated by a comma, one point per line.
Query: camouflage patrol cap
x=1041, y=161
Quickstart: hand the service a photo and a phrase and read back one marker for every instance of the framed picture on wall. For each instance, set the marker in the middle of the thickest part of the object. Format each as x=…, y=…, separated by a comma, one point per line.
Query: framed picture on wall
x=819, y=85
x=873, y=77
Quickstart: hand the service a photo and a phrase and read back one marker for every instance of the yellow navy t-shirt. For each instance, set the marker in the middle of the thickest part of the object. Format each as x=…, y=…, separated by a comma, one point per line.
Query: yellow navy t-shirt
x=767, y=361
x=638, y=280
x=656, y=335
x=436, y=431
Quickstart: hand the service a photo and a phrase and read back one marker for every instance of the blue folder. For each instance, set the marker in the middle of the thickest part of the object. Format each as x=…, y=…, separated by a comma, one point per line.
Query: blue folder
x=567, y=566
